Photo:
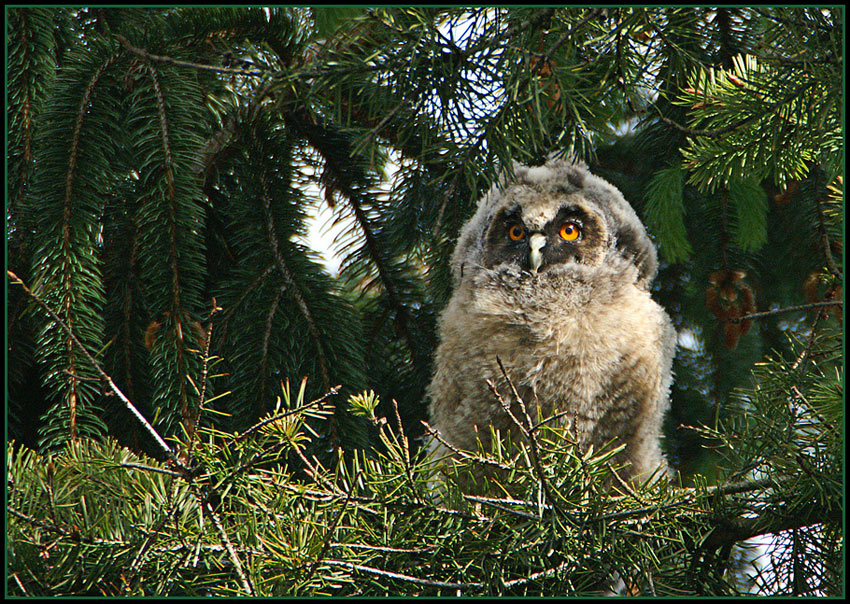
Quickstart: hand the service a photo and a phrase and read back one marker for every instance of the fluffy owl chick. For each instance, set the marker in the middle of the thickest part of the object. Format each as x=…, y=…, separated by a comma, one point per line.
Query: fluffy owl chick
x=551, y=275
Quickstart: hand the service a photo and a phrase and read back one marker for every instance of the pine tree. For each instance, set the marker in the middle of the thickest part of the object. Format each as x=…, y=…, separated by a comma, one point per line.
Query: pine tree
x=169, y=325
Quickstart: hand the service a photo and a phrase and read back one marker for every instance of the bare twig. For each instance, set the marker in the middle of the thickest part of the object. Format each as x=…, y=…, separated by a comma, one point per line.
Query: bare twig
x=192, y=429
x=405, y=578
x=539, y=575
x=405, y=451
x=138, y=466
x=140, y=52
x=237, y=565
x=767, y=313
x=465, y=455
x=15, y=280
x=624, y=485
x=534, y=447
x=494, y=503
x=382, y=548
x=550, y=419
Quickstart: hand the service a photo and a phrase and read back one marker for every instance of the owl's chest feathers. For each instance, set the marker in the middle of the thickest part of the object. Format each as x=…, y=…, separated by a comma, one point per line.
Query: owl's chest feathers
x=562, y=354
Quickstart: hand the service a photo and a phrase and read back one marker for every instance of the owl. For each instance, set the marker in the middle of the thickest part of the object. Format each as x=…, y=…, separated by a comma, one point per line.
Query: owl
x=551, y=276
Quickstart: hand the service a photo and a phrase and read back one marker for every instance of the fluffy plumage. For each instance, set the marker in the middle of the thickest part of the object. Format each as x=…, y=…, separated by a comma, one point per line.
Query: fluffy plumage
x=551, y=275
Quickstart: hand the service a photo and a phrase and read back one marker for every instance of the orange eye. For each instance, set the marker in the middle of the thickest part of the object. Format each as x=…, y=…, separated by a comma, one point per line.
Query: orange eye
x=569, y=231
x=516, y=232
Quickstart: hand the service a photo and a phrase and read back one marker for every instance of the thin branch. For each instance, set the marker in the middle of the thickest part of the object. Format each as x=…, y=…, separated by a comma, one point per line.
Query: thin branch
x=767, y=313
x=405, y=578
x=246, y=584
x=624, y=485
x=566, y=36
x=463, y=454
x=15, y=280
x=534, y=446
x=538, y=575
x=830, y=261
x=73, y=534
x=329, y=533
x=294, y=411
x=707, y=133
x=405, y=450
x=144, y=550
x=494, y=503
x=381, y=548
x=140, y=52
x=138, y=466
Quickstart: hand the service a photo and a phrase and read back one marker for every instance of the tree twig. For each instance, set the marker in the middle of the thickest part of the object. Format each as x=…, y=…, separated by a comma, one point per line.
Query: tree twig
x=140, y=52
x=329, y=533
x=225, y=540
x=465, y=455
x=405, y=578
x=767, y=313
x=332, y=392
x=405, y=451
x=15, y=280
x=534, y=447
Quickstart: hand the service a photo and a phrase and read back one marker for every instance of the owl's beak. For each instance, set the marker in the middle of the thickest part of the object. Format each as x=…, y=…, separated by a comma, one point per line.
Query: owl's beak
x=535, y=255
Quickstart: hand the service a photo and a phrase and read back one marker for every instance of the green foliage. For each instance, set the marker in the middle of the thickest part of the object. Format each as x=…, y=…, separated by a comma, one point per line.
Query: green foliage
x=789, y=432
x=247, y=521
x=792, y=118
x=365, y=529
x=665, y=213
x=164, y=164
x=749, y=224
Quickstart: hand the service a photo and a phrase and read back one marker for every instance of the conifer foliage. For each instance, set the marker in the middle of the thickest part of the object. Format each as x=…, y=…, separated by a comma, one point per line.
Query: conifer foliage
x=198, y=405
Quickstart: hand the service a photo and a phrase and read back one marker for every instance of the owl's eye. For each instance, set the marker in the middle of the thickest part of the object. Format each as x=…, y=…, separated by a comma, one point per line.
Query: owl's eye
x=569, y=231
x=516, y=232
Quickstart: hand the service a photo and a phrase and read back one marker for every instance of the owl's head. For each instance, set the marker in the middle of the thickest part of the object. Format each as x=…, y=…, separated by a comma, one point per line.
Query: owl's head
x=551, y=219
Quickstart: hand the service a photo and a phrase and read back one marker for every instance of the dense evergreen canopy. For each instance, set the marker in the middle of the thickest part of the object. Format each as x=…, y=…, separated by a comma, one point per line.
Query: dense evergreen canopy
x=163, y=165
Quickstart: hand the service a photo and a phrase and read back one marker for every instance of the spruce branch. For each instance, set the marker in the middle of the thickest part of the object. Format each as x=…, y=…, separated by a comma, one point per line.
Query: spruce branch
x=289, y=282
x=15, y=280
